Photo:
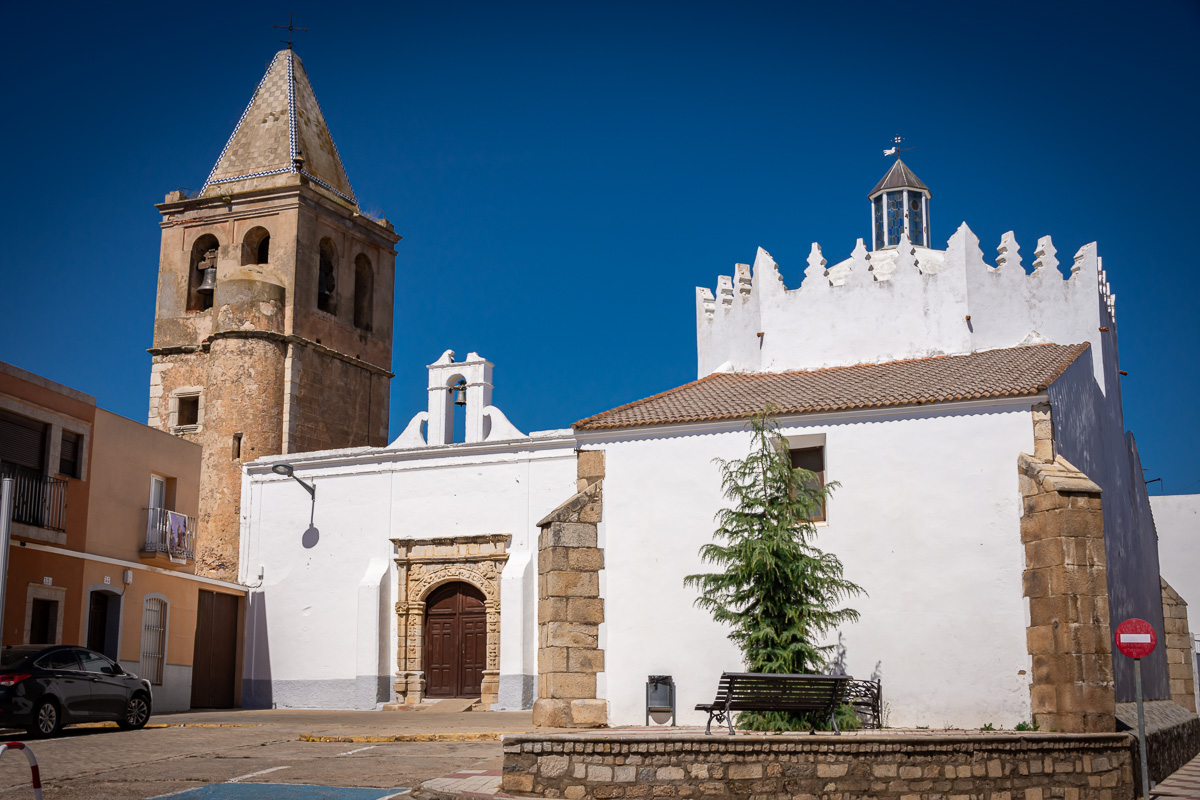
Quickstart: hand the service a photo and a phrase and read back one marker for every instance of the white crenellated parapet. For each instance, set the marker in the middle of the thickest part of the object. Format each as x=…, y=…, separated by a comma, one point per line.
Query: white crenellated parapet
x=901, y=302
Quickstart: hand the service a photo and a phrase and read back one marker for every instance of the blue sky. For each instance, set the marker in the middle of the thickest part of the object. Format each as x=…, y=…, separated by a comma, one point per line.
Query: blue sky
x=564, y=174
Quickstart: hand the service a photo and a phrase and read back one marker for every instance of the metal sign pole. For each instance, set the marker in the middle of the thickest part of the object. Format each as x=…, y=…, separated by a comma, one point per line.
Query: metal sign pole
x=1137, y=688
x=7, y=485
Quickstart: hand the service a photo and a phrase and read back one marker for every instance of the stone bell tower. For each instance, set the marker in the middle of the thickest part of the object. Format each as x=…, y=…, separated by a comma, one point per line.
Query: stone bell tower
x=273, y=325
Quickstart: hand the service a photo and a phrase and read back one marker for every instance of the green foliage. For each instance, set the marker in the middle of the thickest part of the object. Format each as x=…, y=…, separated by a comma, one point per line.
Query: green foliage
x=1027, y=726
x=776, y=591
x=781, y=722
x=988, y=727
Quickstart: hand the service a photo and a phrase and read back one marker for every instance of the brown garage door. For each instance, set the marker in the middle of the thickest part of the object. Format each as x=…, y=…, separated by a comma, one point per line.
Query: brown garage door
x=455, y=641
x=214, y=658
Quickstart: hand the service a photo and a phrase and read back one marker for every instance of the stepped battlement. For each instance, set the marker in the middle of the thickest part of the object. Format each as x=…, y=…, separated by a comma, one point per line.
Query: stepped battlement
x=903, y=302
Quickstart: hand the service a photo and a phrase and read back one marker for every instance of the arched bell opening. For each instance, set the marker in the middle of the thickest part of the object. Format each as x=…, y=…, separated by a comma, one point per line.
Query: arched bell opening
x=202, y=273
x=327, y=277
x=256, y=246
x=364, y=299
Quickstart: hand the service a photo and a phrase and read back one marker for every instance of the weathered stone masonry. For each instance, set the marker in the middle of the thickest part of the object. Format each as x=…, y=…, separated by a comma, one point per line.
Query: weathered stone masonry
x=1009, y=766
x=570, y=609
x=1179, y=647
x=1066, y=583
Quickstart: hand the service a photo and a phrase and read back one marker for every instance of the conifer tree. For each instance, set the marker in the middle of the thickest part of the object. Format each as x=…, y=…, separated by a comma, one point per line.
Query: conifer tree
x=777, y=592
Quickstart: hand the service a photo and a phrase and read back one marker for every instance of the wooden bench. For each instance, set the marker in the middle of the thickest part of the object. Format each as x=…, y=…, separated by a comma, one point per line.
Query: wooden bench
x=764, y=691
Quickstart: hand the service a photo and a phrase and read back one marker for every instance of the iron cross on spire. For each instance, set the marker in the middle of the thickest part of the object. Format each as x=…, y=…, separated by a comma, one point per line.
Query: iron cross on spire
x=896, y=148
x=289, y=28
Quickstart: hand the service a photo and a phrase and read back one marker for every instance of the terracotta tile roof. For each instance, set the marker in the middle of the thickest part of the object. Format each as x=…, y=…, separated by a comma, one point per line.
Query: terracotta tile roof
x=1011, y=372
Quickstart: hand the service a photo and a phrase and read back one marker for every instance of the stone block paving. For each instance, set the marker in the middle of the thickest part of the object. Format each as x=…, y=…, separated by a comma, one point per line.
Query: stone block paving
x=467, y=783
x=1185, y=783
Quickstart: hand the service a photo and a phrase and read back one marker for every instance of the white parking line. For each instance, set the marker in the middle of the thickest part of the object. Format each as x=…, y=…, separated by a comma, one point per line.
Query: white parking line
x=256, y=774
x=359, y=750
x=400, y=793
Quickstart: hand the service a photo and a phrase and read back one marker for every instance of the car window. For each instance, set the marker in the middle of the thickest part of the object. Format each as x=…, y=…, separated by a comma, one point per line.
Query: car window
x=94, y=662
x=61, y=659
x=11, y=656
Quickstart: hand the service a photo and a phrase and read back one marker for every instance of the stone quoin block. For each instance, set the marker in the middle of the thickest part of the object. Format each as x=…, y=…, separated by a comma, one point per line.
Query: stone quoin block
x=585, y=660
x=572, y=584
x=591, y=713
x=568, y=534
x=585, y=558
x=570, y=685
x=571, y=634
x=585, y=609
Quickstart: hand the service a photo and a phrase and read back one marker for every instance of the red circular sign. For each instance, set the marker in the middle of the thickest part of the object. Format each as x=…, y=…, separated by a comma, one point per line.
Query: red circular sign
x=1136, y=638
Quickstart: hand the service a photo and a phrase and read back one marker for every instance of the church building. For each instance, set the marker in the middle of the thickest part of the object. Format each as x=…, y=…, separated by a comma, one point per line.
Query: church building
x=991, y=504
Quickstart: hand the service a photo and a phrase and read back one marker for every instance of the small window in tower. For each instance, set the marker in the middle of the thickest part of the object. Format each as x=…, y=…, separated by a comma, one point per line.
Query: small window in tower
x=237, y=446
x=895, y=217
x=363, y=297
x=879, y=221
x=188, y=412
x=916, y=220
x=202, y=273
x=326, y=278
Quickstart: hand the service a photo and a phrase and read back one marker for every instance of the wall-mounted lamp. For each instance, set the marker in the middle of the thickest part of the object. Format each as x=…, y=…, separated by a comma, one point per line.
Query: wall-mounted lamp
x=288, y=471
x=460, y=393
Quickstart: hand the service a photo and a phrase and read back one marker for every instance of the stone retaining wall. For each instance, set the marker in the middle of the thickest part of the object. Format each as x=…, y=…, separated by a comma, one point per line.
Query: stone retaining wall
x=1172, y=736
x=1088, y=766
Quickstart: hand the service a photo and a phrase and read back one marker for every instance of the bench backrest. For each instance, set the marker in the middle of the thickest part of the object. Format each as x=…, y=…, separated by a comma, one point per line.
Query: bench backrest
x=750, y=691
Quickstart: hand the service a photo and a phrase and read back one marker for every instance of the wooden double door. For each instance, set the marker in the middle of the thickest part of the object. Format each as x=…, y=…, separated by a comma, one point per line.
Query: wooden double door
x=455, y=641
x=214, y=655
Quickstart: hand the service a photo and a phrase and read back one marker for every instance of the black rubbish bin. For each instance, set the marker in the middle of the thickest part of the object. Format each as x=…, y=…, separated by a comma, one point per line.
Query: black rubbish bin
x=660, y=696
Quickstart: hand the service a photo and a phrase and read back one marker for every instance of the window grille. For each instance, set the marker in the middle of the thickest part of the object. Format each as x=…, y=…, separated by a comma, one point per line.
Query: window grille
x=154, y=639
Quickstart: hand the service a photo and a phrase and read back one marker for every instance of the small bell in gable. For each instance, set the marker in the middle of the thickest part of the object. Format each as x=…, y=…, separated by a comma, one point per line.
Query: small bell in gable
x=460, y=393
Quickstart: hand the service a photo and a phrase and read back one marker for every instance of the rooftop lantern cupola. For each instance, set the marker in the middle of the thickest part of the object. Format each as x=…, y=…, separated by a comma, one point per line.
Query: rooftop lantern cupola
x=899, y=204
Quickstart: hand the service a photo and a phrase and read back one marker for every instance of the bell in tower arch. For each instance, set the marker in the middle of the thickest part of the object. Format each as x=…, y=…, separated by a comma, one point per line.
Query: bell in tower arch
x=208, y=269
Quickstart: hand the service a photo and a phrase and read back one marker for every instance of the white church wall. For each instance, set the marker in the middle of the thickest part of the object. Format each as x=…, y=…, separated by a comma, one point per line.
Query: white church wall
x=1177, y=519
x=321, y=631
x=926, y=520
x=898, y=303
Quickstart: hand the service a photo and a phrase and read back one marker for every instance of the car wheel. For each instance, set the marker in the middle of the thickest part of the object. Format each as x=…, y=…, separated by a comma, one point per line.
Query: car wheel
x=136, y=713
x=47, y=720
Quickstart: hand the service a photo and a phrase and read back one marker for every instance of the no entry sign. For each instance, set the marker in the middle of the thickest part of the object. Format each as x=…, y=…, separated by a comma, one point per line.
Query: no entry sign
x=1136, y=638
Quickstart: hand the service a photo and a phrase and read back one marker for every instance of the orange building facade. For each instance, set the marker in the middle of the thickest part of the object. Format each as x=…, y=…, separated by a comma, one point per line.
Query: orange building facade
x=102, y=545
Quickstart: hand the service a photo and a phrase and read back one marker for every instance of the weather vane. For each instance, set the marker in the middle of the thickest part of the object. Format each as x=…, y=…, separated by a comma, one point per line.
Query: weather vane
x=289, y=28
x=896, y=140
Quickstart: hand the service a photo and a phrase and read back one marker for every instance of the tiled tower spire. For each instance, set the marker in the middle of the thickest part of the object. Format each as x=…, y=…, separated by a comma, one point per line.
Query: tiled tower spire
x=281, y=136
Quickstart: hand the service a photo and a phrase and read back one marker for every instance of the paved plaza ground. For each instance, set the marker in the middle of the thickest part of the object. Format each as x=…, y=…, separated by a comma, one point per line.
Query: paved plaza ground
x=228, y=755
x=302, y=755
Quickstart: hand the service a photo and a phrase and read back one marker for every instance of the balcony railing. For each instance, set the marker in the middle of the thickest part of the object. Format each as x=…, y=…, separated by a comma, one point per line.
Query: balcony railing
x=38, y=499
x=171, y=533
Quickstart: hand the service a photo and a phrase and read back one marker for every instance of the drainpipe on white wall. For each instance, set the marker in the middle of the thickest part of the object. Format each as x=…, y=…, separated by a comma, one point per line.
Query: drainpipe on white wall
x=6, y=512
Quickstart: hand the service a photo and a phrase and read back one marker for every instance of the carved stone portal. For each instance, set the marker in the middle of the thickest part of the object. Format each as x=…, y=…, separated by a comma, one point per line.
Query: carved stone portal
x=422, y=566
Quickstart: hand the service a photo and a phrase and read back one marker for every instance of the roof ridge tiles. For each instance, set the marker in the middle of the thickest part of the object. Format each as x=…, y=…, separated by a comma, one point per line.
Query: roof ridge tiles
x=1002, y=372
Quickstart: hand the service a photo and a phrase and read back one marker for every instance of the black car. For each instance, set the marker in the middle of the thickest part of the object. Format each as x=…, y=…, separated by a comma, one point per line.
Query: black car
x=45, y=687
